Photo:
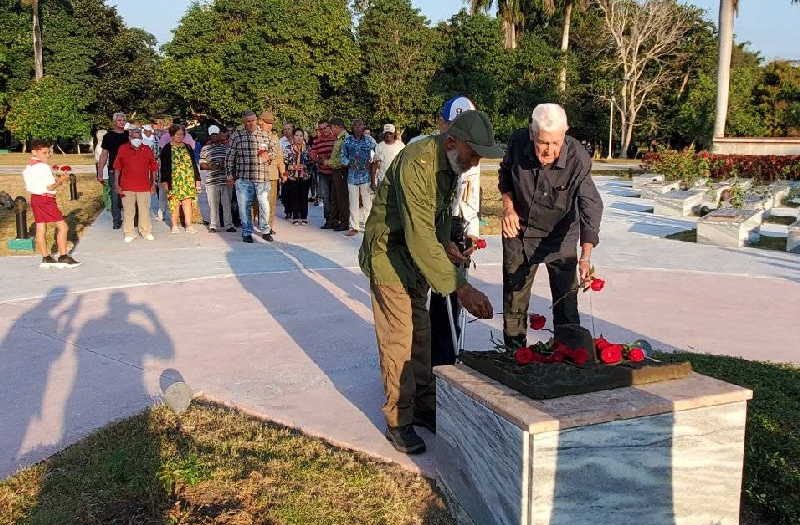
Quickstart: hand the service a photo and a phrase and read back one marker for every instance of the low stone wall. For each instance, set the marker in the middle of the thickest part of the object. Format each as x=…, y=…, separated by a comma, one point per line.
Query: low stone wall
x=757, y=146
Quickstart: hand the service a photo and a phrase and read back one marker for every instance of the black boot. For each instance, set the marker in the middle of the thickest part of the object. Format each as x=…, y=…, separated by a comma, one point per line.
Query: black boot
x=405, y=439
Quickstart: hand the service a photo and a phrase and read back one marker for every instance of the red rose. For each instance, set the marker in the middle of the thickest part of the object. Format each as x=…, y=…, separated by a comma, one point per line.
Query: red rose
x=611, y=354
x=601, y=343
x=524, y=356
x=538, y=321
x=636, y=355
x=66, y=168
x=597, y=284
x=560, y=347
x=580, y=356
x=557, y=357
x=55, y=167
x=480, y=244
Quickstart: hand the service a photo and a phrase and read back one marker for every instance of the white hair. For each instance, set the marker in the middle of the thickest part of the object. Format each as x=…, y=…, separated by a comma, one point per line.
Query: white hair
x=118, y=115
x=549, y=118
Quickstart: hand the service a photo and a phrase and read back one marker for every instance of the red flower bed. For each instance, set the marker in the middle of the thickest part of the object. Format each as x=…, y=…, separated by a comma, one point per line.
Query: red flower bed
x=764, y=168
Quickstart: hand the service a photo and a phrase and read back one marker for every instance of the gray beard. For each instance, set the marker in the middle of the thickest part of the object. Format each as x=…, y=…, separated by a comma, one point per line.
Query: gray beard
x=452, y=159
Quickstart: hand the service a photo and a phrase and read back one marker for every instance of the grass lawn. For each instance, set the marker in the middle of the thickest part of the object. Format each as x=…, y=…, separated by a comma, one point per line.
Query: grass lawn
x=21, y=159
x=214, y=465
x=78, y=214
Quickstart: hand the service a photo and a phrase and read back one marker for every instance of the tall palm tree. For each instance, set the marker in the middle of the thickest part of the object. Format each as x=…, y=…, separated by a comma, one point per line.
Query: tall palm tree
x=727, y=11
x=511, y=13
x=549, y=8
x=38, y=62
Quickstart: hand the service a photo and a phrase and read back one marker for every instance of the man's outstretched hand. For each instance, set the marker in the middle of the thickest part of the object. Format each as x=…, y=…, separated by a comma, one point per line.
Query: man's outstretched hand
x=475, y=302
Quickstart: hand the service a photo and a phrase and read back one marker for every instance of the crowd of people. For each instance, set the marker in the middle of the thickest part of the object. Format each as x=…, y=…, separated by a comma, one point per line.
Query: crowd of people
x=158, y=173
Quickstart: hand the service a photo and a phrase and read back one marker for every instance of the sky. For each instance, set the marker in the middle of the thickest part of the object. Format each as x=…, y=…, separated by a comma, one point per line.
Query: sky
x=771, y=26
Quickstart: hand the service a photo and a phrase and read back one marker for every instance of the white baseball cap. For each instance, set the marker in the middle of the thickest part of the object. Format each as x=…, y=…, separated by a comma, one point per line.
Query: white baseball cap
x=213, y=130
x=147, y=127
x=456, y=106
x=389, y=128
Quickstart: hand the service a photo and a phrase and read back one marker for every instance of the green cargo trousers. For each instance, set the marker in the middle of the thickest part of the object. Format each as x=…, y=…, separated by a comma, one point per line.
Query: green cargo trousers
x=403, y=330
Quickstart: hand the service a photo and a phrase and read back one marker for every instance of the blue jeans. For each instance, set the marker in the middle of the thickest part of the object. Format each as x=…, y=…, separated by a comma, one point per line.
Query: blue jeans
x=246, y=192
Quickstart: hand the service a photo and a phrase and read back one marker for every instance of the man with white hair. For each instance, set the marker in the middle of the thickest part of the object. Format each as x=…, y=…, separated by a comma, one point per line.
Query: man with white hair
x=550, y=204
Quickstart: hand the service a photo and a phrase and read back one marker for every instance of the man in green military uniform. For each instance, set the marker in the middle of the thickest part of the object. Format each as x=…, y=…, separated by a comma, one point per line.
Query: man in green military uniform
x=407, y=251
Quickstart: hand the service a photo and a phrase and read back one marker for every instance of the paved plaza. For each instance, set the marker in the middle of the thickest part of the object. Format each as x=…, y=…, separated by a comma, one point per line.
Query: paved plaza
x=284, y=330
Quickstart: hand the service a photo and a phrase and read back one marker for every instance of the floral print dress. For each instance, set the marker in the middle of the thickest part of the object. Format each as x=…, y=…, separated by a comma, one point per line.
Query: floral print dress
x=183, y=183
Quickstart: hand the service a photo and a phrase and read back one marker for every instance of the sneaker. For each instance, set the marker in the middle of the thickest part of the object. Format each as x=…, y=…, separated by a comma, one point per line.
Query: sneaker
x=296, y=222
x=267, y=237
x=128, y=239
x=351, y=233
x=231, y=230
x=212, y=230
x=117, y=226
x=247, y=238
x=160, y=215
x=175, y=229
x=149, y=237
x=304, y=222
x=426, y=419
x=405, y=439
x=191, y=229
x=48, y=262
x=66, y=261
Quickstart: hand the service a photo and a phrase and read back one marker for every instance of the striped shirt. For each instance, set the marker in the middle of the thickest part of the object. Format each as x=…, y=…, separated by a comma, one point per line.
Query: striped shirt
x=214, y=155
x=243, y=161
x=321, y=151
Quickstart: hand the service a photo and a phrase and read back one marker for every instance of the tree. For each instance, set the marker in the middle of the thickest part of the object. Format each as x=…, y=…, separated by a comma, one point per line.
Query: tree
x=778, y=99
x=287, y=56
x=399, y=55
x=646, y=38
x=727, y=10
x=510, y=12
x=49, y=109
x=37, y=38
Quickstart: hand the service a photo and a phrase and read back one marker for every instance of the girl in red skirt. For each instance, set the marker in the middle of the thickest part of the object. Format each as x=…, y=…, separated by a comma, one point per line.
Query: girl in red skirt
x=41, y=184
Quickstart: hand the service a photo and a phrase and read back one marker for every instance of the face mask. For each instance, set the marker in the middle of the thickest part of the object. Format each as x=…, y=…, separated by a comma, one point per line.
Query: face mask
x=136, y=142
x=452, y=159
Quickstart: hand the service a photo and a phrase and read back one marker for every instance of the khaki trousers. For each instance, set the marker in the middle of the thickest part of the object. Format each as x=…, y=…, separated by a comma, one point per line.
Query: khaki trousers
x=273, y=200
x=402, y=326
x=130, y=201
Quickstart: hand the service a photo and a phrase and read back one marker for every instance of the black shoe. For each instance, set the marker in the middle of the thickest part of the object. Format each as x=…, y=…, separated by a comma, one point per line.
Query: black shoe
x=341, y=228
x=426, y=419
x=48, y=262
x=212, y=230
x=66, y=261
x=267, y=237
x=326, y=226
x=231, y=230
x=117, y=226
x=405, y=439
x=247, y=238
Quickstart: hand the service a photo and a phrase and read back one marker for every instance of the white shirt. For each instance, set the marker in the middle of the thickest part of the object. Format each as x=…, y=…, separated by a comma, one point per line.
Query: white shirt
x=467, y=201
x=285, y=143
x=385, y=154
x=38, y=176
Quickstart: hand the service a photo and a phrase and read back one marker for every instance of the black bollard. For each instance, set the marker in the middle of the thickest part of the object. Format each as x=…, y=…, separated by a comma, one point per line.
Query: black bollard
x=73, y=187
x=21, y=210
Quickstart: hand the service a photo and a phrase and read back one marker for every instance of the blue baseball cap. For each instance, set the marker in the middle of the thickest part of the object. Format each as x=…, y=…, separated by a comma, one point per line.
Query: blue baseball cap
x=456, y=106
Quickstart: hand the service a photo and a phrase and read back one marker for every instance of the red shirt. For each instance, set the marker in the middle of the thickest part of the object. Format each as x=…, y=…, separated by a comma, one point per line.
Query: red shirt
x=321, y=151
x=135, y=166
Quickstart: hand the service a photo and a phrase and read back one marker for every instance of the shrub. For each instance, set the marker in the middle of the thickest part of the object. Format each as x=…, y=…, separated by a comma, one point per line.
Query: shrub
x=761, y=168
x=684, y=166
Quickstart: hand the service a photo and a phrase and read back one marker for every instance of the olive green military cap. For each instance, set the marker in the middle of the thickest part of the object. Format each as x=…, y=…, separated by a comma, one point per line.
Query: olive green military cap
x=475, y=129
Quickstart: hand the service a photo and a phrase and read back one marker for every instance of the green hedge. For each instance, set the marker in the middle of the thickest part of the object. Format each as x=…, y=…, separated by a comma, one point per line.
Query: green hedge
x=772, y=440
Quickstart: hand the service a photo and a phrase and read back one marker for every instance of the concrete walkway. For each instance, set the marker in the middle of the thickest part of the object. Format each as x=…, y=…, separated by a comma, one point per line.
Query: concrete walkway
x=284, y=330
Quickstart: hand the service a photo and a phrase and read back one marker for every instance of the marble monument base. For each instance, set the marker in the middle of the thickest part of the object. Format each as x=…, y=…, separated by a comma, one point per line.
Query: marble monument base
x=666, y=453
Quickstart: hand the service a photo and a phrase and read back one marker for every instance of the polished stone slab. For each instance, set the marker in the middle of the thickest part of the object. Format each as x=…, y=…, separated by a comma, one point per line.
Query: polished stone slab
x=730, y=227
x=679, y=203
x=637, y=181
x=663, y=454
